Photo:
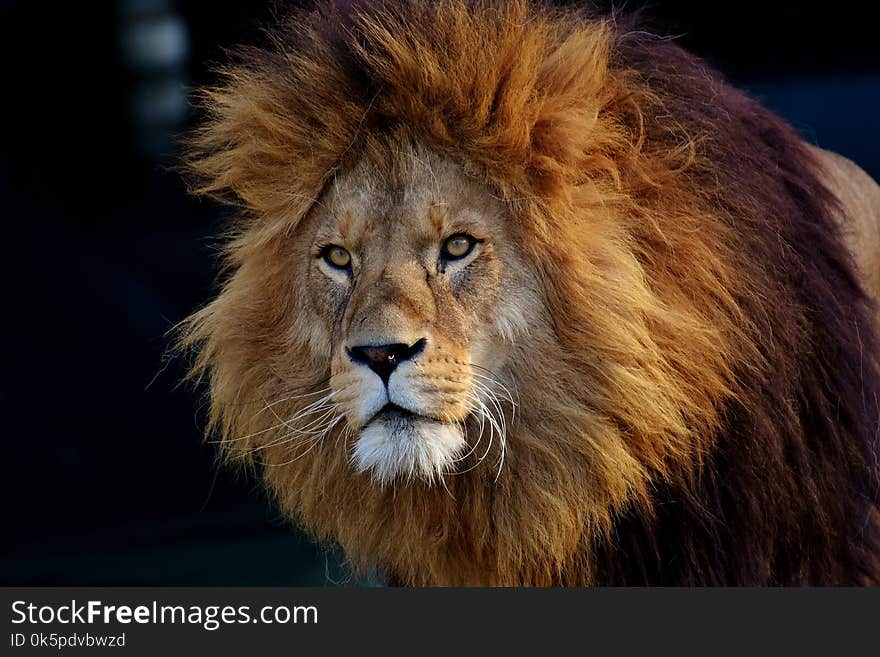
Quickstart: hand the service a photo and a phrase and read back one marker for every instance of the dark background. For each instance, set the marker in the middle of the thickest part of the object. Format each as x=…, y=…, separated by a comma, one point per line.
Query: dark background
x=105, y=476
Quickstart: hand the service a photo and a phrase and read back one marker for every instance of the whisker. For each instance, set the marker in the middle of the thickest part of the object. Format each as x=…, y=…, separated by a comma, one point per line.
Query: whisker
x=496, y=378
x=281, y=422
x=314, y=442
x=507, y=394
x=223, y=441
x=312, y=408
x=485, y=414
x=292, y=398
x=293, y=434
x=498, y=423
x=493, y=399
x=259, y=398
x=472, y=397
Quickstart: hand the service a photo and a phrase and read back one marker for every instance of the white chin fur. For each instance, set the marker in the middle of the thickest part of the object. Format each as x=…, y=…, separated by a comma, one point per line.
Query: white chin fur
x=392, y=447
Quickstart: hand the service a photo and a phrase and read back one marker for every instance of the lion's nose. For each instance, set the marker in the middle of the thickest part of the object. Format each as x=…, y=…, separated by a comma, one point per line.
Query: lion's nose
x=382, y=359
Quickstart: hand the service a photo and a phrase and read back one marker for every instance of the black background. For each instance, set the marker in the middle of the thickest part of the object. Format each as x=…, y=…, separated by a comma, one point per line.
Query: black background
x=105, y=477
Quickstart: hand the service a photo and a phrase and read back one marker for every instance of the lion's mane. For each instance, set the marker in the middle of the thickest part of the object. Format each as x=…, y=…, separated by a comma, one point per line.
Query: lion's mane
x=709, y=413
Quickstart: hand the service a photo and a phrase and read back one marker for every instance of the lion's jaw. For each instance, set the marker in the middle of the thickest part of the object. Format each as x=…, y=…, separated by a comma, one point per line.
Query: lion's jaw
x=407, y=427
x=464, y=317
x=396, y=444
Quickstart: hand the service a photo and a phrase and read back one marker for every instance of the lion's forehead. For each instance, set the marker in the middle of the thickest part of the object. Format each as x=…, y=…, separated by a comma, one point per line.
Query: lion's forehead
x=408, y=205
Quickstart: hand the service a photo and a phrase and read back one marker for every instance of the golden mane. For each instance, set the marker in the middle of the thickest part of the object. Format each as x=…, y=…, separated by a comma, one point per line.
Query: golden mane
x=678, y=391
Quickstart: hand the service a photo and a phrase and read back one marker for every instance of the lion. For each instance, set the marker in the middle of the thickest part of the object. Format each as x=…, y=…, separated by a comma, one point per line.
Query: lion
x=523, y=295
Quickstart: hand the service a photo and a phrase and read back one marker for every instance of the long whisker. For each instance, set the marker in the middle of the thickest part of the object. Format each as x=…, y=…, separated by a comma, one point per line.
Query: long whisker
x=224, y=441
x=493, y=379
x=498, y=383
x=485, y=414
x=497, y=379
x=493, y=399
x=281, y=422
x=508, y=396
x=477, y=406
x=304, y=412
x=291, y=392
x=499, y=424
x=292, y=398
x=329, y=415
x=314, y=442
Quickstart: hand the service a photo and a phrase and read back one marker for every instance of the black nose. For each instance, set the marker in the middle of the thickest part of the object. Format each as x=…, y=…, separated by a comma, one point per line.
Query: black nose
x=382, y=359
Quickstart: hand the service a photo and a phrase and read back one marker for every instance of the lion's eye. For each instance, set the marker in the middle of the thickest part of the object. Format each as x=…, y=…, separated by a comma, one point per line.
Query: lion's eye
x=458, y=246
x=336, y=257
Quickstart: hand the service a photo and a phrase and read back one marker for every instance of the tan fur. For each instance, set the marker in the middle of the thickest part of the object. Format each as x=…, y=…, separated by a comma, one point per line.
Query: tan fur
x=859, y=196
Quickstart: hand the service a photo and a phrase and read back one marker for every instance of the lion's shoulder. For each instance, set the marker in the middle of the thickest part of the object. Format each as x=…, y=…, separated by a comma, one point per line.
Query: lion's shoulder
x=859, y=197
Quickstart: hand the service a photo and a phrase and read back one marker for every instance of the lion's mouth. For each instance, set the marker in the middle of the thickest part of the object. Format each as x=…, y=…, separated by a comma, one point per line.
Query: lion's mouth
x=392, y=411
x=397, y=442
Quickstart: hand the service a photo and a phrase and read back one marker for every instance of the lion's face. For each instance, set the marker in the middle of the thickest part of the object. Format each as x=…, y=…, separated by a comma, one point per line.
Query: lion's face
x=418, y=293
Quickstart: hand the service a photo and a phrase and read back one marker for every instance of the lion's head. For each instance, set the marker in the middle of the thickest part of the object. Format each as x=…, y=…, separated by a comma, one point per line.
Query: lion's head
x=487, y=298
x=416, y=299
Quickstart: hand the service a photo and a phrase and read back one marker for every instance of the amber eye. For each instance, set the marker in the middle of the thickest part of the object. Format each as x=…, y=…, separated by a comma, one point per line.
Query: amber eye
x=458, y=246
x=336, y=257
